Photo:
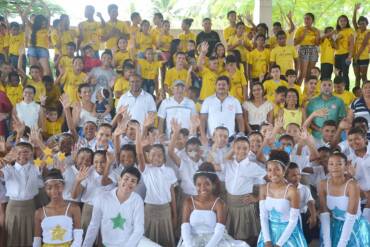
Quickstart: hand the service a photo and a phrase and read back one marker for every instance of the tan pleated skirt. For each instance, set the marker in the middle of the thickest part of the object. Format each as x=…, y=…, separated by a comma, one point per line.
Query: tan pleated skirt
x=86, y=216
x=158, y=224
x=19, y=223
x=242, y=221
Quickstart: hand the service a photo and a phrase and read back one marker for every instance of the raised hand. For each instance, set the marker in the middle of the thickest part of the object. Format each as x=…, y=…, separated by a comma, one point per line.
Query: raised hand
x=204, y=47
x=83, y=173
x=64, y=100
x=175, y=126
x=357, y=6
x=149, y=120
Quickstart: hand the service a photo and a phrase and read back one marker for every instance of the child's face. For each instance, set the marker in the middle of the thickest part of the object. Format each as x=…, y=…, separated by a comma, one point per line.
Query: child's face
x=54, y=189
x=131, y=131
x=14, y=31
x=336, y=166
x=342, y=22
x=358, y=93
x=240, y=30
x=89, y=131
x=122, y=44
x=181, y=60
x=220, y=51
x=362, y=25
x=52, y=116
x=275, y=73
x=65, y=145
x=291, y=99
x=204, y=186
x=279, y=98
x=221, y=137
x=89, y=52
x=181, y=141
x=276, y=29
x=128, y=72
x=28, y=95
x=292, y=78
x=113, y=13
x=266, y=130
x=308, y=20
x=35, y=74
x=145, y=27
x=275, y=172
x=104, y=135
x=127, y=158
x=127, y=183
x=232, y=17
x=230, y=66
x=292, y=130
x=311, y=85
x=356, y=142
x=328, y=133
x=14, y=80
x=285, y=143
x=255, y=142
x=293, y=176
x=99, y=163
x=84, y=159
x=106, y=60
x=70, y=51
x=24, y=155
x=78, y=65
x=136, y=20
x=315, y=72
x=260, y=42
x=166, y=27
x=323, y=158
x=281, y=39
x=213, y=64
x=149, y=54
x=156, y=156
x=339, y=88
x=193, y=151
x=241, y=150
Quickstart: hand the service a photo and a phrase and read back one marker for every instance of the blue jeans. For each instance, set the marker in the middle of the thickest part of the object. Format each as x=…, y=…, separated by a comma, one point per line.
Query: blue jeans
x=148, y=86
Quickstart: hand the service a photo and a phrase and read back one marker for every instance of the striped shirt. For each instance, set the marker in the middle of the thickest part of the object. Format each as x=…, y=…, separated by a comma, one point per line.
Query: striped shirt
x=360, y=109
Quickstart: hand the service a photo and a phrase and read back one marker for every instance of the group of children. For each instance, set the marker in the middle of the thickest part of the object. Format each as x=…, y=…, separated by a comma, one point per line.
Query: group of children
x=78, y=169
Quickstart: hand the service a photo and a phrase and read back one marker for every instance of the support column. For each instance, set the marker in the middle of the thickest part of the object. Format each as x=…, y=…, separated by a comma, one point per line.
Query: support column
x=263, y=12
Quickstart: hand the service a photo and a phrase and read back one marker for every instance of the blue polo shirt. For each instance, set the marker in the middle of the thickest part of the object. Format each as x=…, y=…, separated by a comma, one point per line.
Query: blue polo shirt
x=335, y=106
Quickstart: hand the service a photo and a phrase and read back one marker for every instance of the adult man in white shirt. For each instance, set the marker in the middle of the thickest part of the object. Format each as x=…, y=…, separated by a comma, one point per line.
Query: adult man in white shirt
x=176, y=107
x=139, y=102
x=221, y=109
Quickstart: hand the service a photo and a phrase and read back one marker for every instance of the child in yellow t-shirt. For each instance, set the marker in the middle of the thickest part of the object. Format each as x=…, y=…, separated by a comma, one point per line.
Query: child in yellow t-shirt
x=65, y=61
x=143, y=39
x=258, y=60
x=35, y=81
x=327, y=50
x=340, y=92
x=53, y=123
x=279, y=99
x=310, y=90
x=284, y=55
x=239, y=41
x=16, y=43
x=178, y=72
x=186, y=35
x=238, y=82
x=122, y=53
x=71, y=79
x=231, y=29
x=14, y=89
x=149, y=70
x=272, y=84
x=121, y=84
x=291, y=77
x=53, y=92
x=164, y=39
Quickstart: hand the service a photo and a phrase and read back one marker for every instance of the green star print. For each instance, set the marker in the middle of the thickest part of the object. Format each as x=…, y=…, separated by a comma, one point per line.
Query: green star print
x=118, y=221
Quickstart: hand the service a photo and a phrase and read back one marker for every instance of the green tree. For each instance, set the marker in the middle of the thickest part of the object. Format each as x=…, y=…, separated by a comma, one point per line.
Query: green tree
x=9, y=7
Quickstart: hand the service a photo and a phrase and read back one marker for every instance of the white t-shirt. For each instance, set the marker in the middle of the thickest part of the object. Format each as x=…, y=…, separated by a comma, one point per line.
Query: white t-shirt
x=304, y=197
x=28, y=113
x=221, y=113
x=257, y=115
x=362, y=165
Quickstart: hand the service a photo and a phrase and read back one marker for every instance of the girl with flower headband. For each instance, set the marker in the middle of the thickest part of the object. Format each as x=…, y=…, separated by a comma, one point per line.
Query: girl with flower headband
x=279, y=207
x=204, y=215
x=58, y=223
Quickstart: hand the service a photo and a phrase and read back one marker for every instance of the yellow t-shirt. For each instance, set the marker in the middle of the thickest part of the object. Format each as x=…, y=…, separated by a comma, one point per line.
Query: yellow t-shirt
x=284, y=57
x=155, y=32
x=66, y=37
x=360, y=37
x=144, y=41
x=270, y=86
x=54, y=38
x=149, y=70
x=327, y=52
x=292, y=116
x=209, y=78
x=228, y=32
x=91, y=32
x=54, y=128
x=309, y=38
x=259, y=61
x=346, y=96
x=120, y=85
x=15, y=94
x=237, y=83
x=184, y=38
x=42, y=38
x=40, y=89
x=165, y=41
x=66, y=62
x=121, y=26
x=343, y=41
x=70, y=82
x=15, y=43
x=234, y=40
x=4, y=42
x=173, y=74
x=119, y=57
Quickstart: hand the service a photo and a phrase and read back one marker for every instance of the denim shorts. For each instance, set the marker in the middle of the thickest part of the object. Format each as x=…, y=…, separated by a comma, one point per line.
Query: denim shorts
x=38, y=52
x=308, y=53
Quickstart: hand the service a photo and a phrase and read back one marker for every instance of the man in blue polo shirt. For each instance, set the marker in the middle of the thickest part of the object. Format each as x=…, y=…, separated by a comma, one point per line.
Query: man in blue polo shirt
x=335, y=106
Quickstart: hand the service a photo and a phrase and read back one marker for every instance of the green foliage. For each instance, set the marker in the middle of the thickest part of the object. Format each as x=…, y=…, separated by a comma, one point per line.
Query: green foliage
x=9, y=7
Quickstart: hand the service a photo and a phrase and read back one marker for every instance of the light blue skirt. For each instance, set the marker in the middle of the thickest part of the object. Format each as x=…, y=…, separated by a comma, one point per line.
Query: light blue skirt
x=360, y=236
x=296, y=239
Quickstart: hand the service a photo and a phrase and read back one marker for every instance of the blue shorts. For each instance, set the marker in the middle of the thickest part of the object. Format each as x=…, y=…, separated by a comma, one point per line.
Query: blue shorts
x=38, y=52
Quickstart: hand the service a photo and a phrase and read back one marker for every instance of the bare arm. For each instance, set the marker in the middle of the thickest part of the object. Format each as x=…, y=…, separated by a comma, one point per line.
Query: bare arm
x=240, y=122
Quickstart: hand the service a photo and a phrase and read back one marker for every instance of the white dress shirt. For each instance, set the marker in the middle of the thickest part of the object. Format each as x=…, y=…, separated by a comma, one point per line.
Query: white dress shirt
x=304, y=197
x=187, y=169
x=138, y=107
x=158, y=182
x=121, y=224
x=69, y=176
x=92, y=187
x=241, y=176
x=22, y=182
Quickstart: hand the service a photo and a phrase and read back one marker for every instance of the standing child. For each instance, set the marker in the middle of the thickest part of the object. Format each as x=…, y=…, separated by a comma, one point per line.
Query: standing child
x=271, y=85
x=143, y=39
x=284, y=55
x=160, y=200
x=279, y=206
x=258, y=60
x=306, y=202
x=58, y=223
x=14, y=89
x=341, y=221
x=22, y=182
x=148, y=68
x=35, y=81
x=121, y=54
x=327, y=49
x=65, y=62
x=238, y=82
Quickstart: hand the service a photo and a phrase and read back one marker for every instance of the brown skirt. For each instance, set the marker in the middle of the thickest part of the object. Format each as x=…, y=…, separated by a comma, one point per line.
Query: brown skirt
x=86, y=216
x=242, y=221
x=158, y=224
x=19, y=223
